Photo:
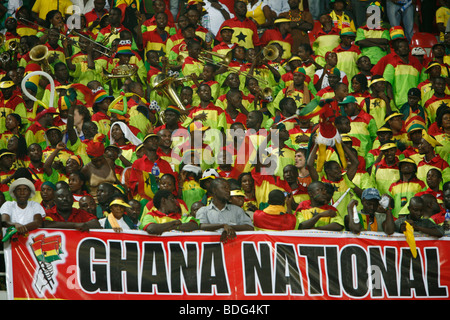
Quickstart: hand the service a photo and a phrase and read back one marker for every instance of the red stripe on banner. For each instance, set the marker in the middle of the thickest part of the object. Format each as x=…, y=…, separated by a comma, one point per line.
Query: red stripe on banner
x=291, y=265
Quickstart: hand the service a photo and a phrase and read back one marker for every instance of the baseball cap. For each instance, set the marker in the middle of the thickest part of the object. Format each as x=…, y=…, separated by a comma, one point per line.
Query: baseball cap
x=370, y=193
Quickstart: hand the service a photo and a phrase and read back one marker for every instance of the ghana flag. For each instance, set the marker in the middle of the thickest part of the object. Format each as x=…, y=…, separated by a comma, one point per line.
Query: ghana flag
x=143, y=183
x=47, y=249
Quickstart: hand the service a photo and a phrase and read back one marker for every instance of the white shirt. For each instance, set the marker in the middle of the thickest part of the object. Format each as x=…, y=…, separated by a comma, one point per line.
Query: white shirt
x=19, y=215
x=120, y=221
x=325, y=82
x=13, y=5
x=278, y=6
x=213, y=19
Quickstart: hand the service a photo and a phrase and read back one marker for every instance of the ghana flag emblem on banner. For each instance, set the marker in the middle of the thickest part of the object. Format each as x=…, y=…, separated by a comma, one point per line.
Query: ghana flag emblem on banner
x=47, y=250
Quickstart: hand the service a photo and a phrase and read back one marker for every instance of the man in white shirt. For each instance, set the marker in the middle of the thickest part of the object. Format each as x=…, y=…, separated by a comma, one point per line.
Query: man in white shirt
x=216, y=14
x=278, y=6
x=22, y=214
x=220, y=214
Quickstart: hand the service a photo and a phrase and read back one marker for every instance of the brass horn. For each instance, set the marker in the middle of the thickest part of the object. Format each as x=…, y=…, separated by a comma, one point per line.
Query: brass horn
x=39, y=54
x=164, y=84
x=5, y=57
x=270, y=52
x=122, y=71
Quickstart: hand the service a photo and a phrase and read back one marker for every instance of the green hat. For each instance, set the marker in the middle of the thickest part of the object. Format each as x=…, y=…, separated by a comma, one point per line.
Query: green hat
x=348, y=99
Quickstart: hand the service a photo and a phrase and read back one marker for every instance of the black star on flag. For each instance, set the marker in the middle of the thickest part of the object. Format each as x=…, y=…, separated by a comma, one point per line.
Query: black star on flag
x=148, y=182
x=280, y=152
x=297, y=97
x=443, y=104
x=241, y=37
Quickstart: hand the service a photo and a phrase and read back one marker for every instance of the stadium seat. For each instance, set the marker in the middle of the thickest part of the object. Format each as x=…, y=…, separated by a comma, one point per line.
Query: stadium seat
x=424, y=40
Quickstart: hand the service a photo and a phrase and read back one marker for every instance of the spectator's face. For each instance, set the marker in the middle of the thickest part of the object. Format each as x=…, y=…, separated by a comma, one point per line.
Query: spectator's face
x=290, y=175
x=134, y=211
x=433, y=179
x=298, y=78
x=117, y=211
x=63, y=199
x=99, y=5
x=54, y=136
x=407, y=168
x=240, y=9
x=439, y=86
x=396, y=123
x=47, y=193
x=233, y=80
x=447, y=199
x=351, y=109
x=159, y=6
x=115, y=16
x=334, y=172
x=87, y=204
x=389, y=154
x=11, y=122
x=166, y=183
x=415, y=210
x=22, y=193
x=247, y=183
x=413, y=101
x=204, y=93
x=439, y=51
x=370, y=206
x=364, y=64
x=103, y=193
x=403, y=49
x=226, y=35
x=35, y=153
x=446, y=121
x=165, y=138
x=237, y=201
x=7, y=161
x=171, y=204
x=222, y=192
x=356, y=85
x=318, y=194
x=161, y=21
x=300, y=160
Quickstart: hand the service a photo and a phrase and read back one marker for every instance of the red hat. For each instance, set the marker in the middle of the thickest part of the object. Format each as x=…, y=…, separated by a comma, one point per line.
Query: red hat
x=50, y=110
x=95, y=147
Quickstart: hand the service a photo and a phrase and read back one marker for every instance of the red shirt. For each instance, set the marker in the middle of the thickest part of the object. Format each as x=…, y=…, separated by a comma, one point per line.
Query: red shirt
x=144, y=164
x=265, y=220
x=77, y=216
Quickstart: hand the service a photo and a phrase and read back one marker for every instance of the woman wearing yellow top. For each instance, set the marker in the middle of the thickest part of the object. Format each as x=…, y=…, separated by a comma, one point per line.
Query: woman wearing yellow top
x=260, y=12
x=340, y=18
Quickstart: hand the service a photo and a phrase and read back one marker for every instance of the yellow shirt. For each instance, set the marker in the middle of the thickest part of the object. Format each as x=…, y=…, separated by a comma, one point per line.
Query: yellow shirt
x=42, y=7
x=442, y=15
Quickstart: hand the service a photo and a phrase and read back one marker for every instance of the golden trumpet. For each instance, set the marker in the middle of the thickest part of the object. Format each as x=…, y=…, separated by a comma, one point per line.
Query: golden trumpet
x=39, y=54
x=122, y=71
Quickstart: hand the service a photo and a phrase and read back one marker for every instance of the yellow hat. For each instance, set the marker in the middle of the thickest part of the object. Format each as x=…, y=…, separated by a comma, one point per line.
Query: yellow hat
x=6, y=84
x=119, y=202
x=407, y=160
x=384, y=129
x=346, y=137
x=388, y=146
x=393, y=115
x=237, y=193
x=430, y=139
x=280, y=20
x=376, y=80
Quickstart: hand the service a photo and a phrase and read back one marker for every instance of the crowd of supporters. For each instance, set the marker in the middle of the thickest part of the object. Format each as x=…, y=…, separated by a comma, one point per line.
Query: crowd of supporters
x=227, y=115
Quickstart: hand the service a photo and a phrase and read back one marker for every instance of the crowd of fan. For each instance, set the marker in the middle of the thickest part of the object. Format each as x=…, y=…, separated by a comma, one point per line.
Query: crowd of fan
x=165, y=115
